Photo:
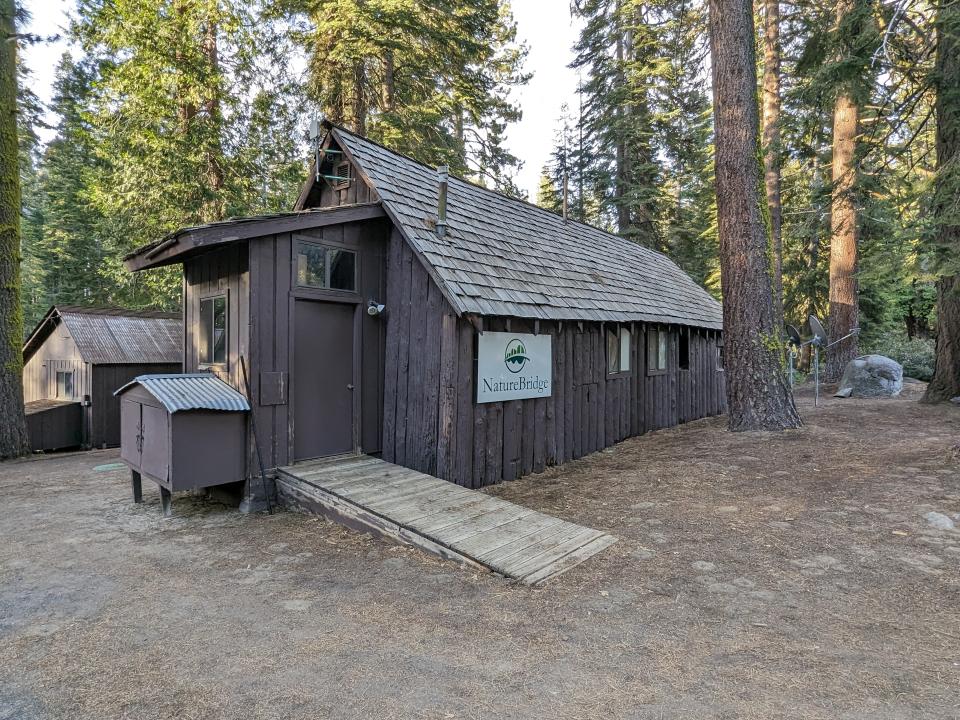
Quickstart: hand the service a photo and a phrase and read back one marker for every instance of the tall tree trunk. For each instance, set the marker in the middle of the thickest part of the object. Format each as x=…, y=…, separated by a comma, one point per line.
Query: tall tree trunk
x=13, y=424
x=359, y=119
x=622, y=179
x=771, y=145
x=757, y=394
x=946, y=377
x=844, y=227
x=216, y=208
x=389, y=81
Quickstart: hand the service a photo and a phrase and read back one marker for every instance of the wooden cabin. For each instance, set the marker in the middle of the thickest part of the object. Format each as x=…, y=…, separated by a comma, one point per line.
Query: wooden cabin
x=80, y=355
x=478, y=340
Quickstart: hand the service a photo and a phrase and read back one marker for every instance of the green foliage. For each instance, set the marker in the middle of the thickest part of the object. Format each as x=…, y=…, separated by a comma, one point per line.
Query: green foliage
x=638, y=155
x=429, y=79
x=177, y=113
x=916, y=355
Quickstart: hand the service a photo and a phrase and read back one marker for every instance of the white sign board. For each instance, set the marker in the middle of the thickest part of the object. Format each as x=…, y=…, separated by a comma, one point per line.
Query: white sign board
x=514, y=366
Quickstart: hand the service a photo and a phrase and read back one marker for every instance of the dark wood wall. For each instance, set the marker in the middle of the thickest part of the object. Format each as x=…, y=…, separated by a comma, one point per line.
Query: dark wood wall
x=258, y=277
x=273, y=302
x=105, y=407
x=222, y=271
x=433, y=424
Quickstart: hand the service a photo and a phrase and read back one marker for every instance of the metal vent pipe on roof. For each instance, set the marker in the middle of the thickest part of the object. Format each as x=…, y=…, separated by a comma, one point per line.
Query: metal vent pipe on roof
x=442, y=173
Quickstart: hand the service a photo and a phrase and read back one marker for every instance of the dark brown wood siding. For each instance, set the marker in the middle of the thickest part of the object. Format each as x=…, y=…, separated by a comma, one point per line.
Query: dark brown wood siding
x=273, y=295
x=433, y=424
x=219, y=272
x=105, y=407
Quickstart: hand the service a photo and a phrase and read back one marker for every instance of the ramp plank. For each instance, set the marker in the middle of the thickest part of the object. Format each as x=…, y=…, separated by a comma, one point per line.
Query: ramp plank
x=467, y=526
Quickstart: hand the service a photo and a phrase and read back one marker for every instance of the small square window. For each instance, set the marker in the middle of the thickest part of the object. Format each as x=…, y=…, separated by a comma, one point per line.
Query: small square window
x=65, y=385
x=213, y=331
x=656, y=350
x=326, y=268
x=683, y=350
x=618, y=350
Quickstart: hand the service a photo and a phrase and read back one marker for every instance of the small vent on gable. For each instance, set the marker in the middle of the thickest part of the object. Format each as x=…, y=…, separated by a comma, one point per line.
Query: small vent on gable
x=341, y=176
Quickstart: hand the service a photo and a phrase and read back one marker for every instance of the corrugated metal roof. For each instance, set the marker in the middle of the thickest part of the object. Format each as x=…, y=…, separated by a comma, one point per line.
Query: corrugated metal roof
x=190, y=391
x=503, y=256
x=113, y=336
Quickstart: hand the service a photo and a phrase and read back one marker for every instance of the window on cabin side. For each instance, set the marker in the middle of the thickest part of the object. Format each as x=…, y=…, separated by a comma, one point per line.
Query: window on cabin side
x=326, y=268
x=683, y=349
x=64, y=384
x=719, y=356
x=656, y=350
x=213, y=330
x=618, y=350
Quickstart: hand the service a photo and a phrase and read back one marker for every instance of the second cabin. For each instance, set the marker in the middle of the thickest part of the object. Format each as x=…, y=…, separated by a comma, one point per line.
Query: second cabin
x=440, y=325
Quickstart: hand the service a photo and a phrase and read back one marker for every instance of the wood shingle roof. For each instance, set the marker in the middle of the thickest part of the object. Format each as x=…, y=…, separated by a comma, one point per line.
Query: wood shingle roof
x=502, y=256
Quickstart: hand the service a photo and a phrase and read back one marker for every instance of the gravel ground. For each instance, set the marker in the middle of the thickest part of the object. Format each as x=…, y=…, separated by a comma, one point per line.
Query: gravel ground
x=809, y=574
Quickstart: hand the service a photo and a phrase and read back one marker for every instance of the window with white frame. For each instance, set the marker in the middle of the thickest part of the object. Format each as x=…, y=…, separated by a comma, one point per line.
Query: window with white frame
x=656, y=350
x=213, y=330
x=618, y=350
x=64, y=385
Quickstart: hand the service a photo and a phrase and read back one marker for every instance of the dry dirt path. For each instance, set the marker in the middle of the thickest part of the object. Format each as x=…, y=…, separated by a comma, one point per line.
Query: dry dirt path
x=812, y=574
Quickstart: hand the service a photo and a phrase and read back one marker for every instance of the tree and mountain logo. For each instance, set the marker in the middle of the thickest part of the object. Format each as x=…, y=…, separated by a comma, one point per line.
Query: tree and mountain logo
x=515, y=356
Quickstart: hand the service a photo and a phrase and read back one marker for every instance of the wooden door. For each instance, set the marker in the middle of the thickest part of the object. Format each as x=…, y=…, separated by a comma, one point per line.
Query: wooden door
x=323, y=379
x=155, y=460
x=130, y=432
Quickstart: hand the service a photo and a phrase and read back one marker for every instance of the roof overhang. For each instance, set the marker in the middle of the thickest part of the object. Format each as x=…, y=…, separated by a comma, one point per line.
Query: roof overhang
x=180, y=245
x=40, y=332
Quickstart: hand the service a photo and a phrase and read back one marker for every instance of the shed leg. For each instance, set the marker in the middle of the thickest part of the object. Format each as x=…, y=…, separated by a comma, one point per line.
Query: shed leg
x=137, y=486
x=166, y=499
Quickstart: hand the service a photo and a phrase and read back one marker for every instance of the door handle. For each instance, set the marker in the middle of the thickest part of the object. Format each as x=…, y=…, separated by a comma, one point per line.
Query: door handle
x=350, y=386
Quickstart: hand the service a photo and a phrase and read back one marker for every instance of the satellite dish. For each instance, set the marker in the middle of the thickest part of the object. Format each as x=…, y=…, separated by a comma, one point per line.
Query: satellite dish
x=819, y=334
x=793, y=336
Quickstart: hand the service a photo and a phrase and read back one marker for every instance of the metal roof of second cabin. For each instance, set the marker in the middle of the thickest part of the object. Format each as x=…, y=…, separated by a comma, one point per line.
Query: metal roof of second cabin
x=115, y=336
x=503, y=256
x=190, y=391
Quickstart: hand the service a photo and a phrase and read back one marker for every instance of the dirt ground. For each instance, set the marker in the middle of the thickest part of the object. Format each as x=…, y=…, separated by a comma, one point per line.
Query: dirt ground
x=810, y=574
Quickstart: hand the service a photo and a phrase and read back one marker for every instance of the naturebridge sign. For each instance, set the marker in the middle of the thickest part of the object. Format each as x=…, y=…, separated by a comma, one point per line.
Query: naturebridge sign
x=513, y=366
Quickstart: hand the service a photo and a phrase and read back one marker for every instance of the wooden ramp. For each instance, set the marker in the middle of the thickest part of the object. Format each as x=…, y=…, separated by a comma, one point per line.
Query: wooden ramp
x=372, y=495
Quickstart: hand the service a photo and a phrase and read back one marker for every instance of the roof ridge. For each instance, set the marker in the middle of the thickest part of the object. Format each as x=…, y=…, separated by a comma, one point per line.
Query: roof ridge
x=478, y=186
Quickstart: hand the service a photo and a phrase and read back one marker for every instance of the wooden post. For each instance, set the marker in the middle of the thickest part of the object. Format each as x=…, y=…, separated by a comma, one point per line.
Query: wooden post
x=166, y=500
x=137, y=485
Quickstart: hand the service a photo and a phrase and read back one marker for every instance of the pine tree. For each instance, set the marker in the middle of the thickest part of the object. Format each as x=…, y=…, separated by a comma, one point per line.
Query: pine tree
x=647, y=125
x=855, y=38
x=771, y=144
x=168, y=117
x=946, y=380
x=13, y=429
x=69, y=249
x=427, y=79
x=29, y=112
x=757, y=396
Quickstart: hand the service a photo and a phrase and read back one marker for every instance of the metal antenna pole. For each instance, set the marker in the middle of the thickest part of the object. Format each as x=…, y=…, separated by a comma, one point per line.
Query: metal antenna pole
x=816, y=375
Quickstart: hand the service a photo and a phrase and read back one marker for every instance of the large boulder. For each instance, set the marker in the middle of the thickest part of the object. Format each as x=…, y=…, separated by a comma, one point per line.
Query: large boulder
x=871, y=376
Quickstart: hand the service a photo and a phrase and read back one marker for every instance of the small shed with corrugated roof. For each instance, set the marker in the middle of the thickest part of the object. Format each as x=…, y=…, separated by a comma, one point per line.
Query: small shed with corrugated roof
x=184, y=432
x=440, y=325
x=78, y=355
